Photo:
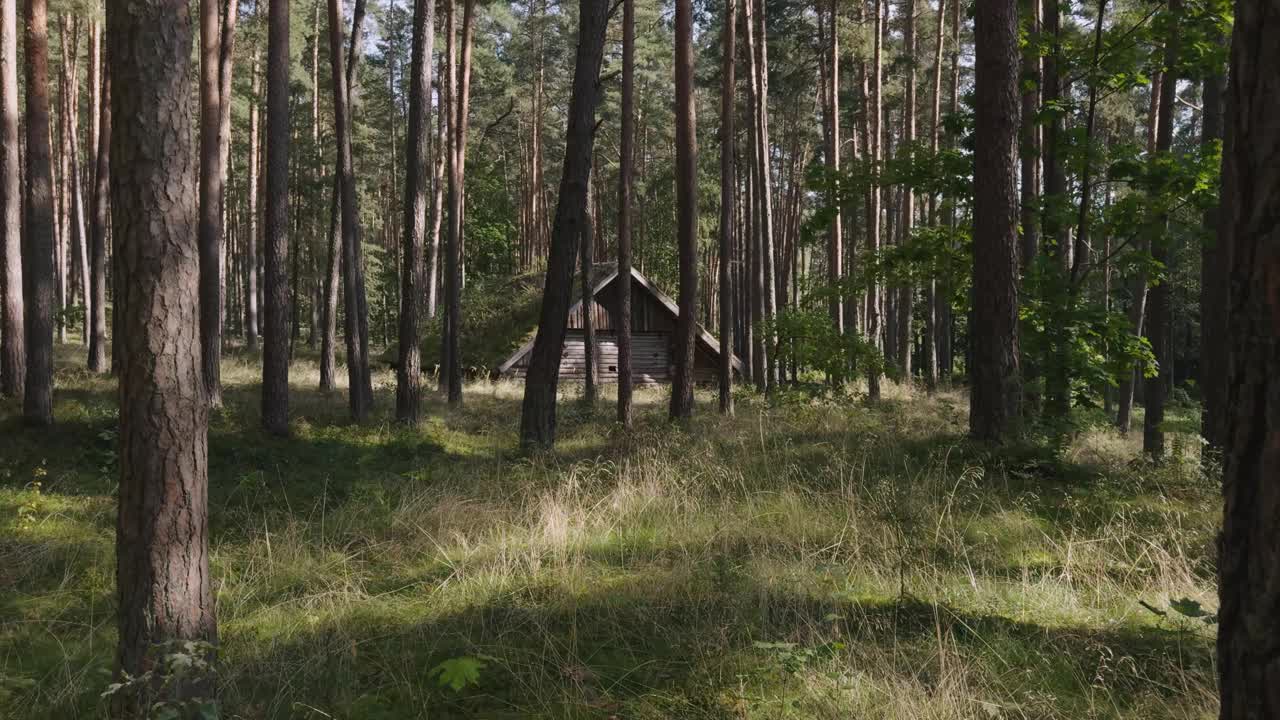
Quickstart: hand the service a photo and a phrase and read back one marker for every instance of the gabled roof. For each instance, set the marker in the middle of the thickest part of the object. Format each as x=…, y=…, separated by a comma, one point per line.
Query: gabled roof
x=663, y=299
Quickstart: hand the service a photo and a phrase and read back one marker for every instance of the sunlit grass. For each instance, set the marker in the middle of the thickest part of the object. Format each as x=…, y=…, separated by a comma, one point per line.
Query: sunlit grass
x=815, y=559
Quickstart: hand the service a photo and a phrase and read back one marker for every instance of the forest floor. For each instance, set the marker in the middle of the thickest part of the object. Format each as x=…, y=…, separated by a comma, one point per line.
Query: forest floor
x=810, y=559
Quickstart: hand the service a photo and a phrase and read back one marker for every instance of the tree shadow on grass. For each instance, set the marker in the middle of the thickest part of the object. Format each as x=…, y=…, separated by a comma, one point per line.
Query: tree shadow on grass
x=691, y=647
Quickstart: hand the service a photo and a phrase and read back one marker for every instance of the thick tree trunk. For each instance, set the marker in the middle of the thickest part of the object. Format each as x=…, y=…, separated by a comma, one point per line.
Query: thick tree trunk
x=994, y=398
x=687, y=211
x=1155, y=388
x=162, y=552
x=538, y=413
x=38, y=230
x=728, y=182
x=100, y=228
x=1249, y=560
x=275, y=331
x=13, y=352
x=626, y=169
x=409, y=367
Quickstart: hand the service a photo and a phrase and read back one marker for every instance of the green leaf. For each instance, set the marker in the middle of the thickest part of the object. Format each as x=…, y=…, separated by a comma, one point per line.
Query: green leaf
x=457, y=673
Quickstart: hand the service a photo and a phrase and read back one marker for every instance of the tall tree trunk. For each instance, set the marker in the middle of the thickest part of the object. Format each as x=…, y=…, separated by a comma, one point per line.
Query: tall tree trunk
x=38, y=230
x=211, y=190
x=13, y=352
x=994, y=398
x=538, y=412
x=728, y=183
x=100, y=228
x=875, y=140
x=316, y=175
x=1249, y=547
x=437, y=204
x=1137, y=310
x=687, y=211
x=1213, y=288
x=409, y=370
x=360, y=388
x=766, y=193
x=626, y=170
x=1030, y=134
x=588, y=300
x=251, y=237
x=457, y=196
x=1155, y=388
x=835, y=246
x=906, y=293
x=79, y=262
x=931, y=312
x=165, y=591
x=275, y=250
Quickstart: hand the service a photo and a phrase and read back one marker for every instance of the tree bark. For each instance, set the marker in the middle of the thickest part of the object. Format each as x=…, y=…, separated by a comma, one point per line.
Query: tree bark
x=930, y=343
x=13, y=352
x=588, y=300
x=1155, y=388
x=211, y=191
x=728, y=183
x=538, y=412
x=164, y=589
x=835, y=246
x=100, y=228
x=457, y=195
x=251, y=237
x=275, y=331
x=875, y=140
x=38, y=231
x=687, y=211
x=1249, y=547
x=994, y=398
x=360, y=390
x=626, y=171
x=1030, y=134
x=1214, y=280
x=906, y=293
x=409, y=370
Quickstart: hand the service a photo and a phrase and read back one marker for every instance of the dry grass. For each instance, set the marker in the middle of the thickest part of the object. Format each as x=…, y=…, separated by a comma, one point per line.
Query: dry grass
x=812, y=560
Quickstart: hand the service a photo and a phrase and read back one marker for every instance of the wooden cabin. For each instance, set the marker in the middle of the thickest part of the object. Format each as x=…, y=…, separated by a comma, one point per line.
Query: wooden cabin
x=653, y=329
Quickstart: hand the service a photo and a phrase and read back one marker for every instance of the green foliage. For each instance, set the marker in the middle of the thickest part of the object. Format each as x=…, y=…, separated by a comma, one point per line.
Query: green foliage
x=459, y=673
x=176, y=664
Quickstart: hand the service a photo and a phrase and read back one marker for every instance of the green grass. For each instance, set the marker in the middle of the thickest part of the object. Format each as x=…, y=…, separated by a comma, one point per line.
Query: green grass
x=814, y=560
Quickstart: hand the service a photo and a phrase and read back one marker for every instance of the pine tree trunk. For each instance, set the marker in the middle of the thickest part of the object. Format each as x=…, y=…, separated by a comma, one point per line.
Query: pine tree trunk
x=728, y=183
x=457, y=195
x=875, y=139
x=687, y=210
x=100, y=228
x=835, y=246
x=409, y=367
x=251, y=238
x=275, y=249
x=626, y=171
x=165, y=590
x=1155, y=388
x=931, y=311
x=906, y=293
x=38, y=230
x=588, y=300
x=994, y=398
x=1213, y=288
x=211, y=190
x=1030, y=134
x=1249, y=547
x=13, y=352
x=360, y=388
x=538, y=412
